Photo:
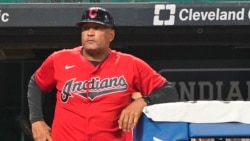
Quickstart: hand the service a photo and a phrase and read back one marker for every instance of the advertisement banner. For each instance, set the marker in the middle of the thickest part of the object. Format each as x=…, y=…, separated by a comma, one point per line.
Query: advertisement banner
x=127, y=14
x=210, y=83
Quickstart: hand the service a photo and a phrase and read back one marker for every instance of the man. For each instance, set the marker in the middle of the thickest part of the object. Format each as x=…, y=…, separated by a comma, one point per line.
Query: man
x=94, y=87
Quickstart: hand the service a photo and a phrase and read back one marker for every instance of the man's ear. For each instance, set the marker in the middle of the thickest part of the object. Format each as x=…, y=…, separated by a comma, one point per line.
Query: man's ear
x=112, y=35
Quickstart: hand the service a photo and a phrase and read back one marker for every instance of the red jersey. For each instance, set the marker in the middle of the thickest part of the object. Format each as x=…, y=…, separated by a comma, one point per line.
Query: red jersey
x=90, y=98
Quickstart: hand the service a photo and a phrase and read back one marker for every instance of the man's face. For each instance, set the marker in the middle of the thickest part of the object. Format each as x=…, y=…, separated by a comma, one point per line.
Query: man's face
x=96, y=37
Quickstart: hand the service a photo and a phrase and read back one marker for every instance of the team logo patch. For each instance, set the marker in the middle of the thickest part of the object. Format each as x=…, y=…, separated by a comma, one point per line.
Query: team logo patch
x=93, y=12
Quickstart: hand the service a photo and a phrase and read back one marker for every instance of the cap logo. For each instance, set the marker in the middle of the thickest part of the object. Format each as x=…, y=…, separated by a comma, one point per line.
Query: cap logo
x=93, y=13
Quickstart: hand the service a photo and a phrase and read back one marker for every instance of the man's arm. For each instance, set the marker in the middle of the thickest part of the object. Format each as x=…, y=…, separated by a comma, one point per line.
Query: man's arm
x=131, y=114
x=40, y=130
x=165, y=94
x=34, y=101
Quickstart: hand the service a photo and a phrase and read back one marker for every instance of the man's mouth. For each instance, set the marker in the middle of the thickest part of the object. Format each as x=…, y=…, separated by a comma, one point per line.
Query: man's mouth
x=90, y=41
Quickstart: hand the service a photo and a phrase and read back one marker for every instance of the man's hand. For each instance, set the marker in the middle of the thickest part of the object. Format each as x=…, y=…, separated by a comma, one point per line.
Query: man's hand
x=41, y=131
x=131, y=114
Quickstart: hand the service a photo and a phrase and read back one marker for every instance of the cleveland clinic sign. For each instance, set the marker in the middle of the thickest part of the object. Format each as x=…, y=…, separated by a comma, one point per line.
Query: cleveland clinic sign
x=170, y=14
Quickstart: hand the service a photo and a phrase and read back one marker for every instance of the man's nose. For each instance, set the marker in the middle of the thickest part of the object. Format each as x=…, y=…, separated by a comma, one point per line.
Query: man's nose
x=91, y=31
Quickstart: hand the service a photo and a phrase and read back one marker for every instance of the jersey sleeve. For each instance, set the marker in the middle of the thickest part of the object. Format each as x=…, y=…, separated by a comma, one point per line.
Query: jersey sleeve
x=44, y=75
x=147, y=79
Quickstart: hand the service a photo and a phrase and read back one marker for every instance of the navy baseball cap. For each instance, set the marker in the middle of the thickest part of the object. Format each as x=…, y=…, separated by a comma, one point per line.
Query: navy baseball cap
x=97, y=15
